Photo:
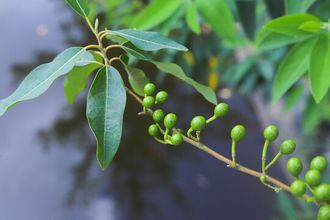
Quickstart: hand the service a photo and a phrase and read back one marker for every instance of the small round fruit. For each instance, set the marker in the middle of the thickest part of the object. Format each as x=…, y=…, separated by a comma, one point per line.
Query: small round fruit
x=158, y=115
x=322, y=192
x=170, y=120
x=298, y=188
x=313, y=177
x=221, y=109
x=149, y=88
x=161, y=97
x=148, y=101
x=288, y=146
x=198, y=123
x=294, y=166
x=177, y=139
x=237, y=133
x=263, y=178
x=271, y=133
x=319, y=163
x=324, y=213
x=153, y=130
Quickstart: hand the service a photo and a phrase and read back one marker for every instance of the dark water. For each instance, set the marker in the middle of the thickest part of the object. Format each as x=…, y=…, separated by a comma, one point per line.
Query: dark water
x=47, y=153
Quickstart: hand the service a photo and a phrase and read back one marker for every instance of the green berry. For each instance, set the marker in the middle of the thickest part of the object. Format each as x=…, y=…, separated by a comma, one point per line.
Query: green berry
x=158, y=115
x=237, y=133
x=221, y=109
x=271, y=133
x=298, y=188
x=170, y=120
x=319, y=163
x=177, y=139
x=288, y=146
x=153, y=130
x=263, y=178
x=313, y=177
x=149, y=88
x=294, y=166
x=324, y=213
x=322, y=192
x=198, y=123
x=161, y=97
x=148, y=101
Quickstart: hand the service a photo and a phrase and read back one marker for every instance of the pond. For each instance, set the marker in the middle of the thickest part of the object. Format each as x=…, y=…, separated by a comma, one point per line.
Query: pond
x=48, y=168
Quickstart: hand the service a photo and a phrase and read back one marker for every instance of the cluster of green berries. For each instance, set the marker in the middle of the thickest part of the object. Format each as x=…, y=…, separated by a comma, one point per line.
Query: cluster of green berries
x=313, y=181
x=149, y=100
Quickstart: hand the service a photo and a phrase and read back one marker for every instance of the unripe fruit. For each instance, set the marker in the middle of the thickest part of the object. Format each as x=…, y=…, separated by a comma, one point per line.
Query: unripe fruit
x=149, y=88
x=158, y=115
x=319, y=163
x=170, y=120
x=153, y=130
x=237, y=133
x=177, y=139
x=263, y=178
x=288, y=146
x=198, y=123
x=271, y=133
x=221, y=109
x=313, y=177
x=322, y=192
x=324, y=213
x=148, y=101
x=161, y=97
x=294, y=166
x=298, y=188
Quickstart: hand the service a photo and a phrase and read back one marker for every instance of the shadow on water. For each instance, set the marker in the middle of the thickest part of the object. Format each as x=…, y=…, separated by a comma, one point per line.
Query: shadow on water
x=147, y=180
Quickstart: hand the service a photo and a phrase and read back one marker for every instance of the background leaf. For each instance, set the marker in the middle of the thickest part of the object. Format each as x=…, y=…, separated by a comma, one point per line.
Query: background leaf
x=192, y=17
x=148, y=41
x=137, y=79
x=41, y=78
x=293, y=7
x=155, y=13
x=79, y=6
x=105, y=109
x=319, y=71
x=293, y=66
x=176, y=71
x=218, y=15
x=311, y=26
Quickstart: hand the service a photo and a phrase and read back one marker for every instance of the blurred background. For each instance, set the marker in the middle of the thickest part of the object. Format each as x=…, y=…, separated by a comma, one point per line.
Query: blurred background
x=48, y=168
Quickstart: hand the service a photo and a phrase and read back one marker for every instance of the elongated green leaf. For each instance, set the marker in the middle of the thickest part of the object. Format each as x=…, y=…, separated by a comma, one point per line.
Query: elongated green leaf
x=192, y=17
x=289, y=25
x=75, y=81
x=319, y=69
x=41, y=78
x=293, y=96
x=293, y=7
x=218, y=15
x=134, y=51
x=176, y=71
x=294, y=65
x=137, y=79
x=79, y=6
x=155, y=13
x=311, y=26
x=148, y=41
x=267, y=39
x=105, y=109
x=313, y=114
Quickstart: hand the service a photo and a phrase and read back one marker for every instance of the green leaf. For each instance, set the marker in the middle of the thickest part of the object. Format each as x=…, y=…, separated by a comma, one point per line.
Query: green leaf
x=79, y=6
x=311, y=26
x=218, y=15
x=293, y=96
x=293, y=7
x=267, y=39
x=134, y=51
x=313, y=114
x=176, y=71
x=292, y=68
x=105, y=109
x=137, y=79
x=41, y=78
x=289, y=25
x=75, y=81
x=192, y=17
x=148, y=41
x=319, y=69
x=155, y=13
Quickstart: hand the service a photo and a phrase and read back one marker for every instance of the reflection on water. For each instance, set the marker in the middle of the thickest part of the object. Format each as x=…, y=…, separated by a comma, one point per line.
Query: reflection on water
x=48, y=168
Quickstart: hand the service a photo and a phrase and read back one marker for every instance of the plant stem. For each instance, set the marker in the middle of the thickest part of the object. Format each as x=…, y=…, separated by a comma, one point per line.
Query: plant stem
x=276, y=158
x=264, y=156
x=233, y=153
x=211, y=119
